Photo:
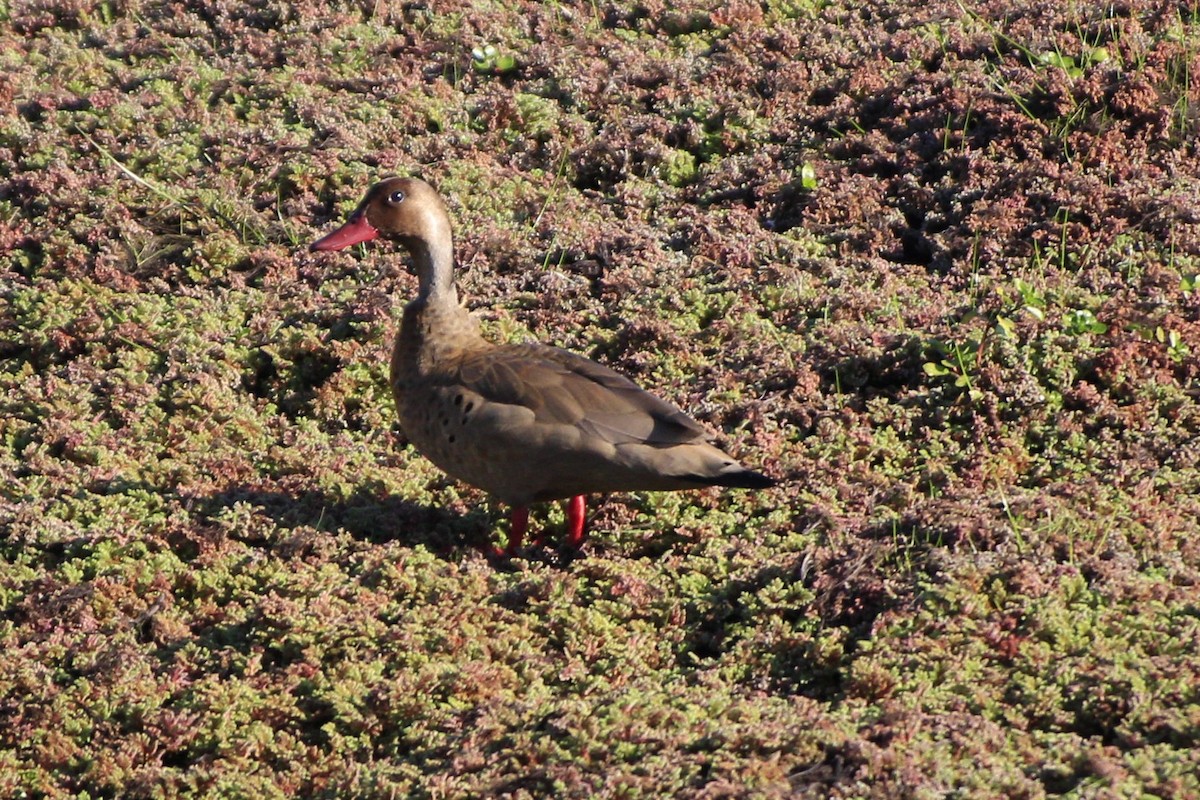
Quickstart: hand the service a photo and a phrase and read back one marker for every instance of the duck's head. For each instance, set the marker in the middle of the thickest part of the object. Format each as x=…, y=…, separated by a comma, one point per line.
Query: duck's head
x=405, y=209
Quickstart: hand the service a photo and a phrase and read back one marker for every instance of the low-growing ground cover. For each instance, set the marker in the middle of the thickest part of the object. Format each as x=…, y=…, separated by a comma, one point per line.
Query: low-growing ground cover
x=932, y=265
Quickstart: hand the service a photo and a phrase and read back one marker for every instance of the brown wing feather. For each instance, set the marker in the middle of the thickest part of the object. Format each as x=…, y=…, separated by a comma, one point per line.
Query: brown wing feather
x=561, y=388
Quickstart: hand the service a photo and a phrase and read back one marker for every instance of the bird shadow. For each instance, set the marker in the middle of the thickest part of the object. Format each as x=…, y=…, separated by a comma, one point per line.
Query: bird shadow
x=365, y=515
x=368, y=515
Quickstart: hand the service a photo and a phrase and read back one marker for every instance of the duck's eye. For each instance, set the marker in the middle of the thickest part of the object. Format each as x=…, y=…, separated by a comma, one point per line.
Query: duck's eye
x=396, y=197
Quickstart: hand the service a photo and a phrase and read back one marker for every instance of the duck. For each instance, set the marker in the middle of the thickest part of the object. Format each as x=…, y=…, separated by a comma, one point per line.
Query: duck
x=525, y=423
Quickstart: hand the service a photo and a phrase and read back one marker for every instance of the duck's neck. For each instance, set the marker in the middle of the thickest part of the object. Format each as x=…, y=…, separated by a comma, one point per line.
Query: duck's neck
x=435, y=328
x=433, y=259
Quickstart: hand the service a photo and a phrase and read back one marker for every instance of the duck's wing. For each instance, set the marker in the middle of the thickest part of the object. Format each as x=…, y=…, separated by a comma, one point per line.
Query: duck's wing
x=545, y=386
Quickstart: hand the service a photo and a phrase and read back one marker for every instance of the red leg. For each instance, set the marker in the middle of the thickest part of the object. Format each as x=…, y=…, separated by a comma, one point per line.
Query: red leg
x=518, y=524
x=576, y=520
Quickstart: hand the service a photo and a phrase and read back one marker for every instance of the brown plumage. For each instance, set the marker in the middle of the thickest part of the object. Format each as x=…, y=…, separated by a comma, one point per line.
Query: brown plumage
x=526, y=423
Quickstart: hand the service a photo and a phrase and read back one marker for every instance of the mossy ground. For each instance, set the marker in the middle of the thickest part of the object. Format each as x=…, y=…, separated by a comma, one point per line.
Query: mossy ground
x=933, y=265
